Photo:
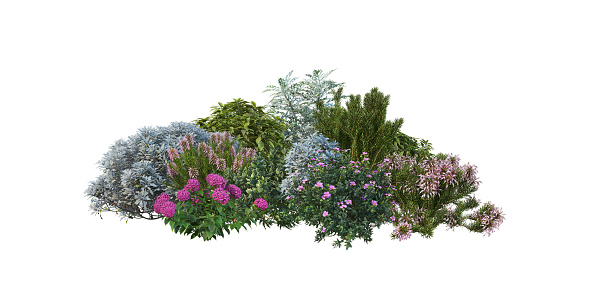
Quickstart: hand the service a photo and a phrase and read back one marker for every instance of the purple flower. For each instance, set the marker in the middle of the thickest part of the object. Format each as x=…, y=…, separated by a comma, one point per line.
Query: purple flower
x=261, y=203
x=331, y=187
x=357, y=171
x=216, y=180
x=366, y=159
x=191, y=185
x=300, y=187
x=221, y=196
x=374, y=203
x=325, y=213
x=352, y=183
x=349, y=202
x=288, y=197
x=325, y=195
x=173, y=154
x=234, y=190
x=304, y=180
x=368, y=175
x=319, y=184
x=183, y=195
x=342, y=167
x=323, y=230
x=364, y=153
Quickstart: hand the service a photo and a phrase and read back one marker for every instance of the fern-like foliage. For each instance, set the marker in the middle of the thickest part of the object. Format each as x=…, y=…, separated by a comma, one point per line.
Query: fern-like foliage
x=135, y=170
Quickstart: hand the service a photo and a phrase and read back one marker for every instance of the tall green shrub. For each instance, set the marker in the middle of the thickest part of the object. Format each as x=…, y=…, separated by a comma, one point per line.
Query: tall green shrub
x=361, y=128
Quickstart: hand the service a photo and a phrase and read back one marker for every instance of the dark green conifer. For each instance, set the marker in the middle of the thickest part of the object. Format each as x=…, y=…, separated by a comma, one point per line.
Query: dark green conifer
x=360, y=128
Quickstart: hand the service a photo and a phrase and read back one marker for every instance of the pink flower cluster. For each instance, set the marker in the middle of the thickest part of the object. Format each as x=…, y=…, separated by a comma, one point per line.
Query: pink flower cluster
x=215, y=152
x=490, y=218
x=222, y=194
x=261, y=203
x=164, y=206
x=438, y=174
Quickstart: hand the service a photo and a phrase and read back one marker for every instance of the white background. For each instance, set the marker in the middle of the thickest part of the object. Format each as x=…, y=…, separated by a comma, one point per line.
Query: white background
x=500, y=83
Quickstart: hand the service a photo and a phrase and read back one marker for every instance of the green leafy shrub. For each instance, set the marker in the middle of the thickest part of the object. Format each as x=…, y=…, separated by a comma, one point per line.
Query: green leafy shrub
x=262, y=179
x=249, y=124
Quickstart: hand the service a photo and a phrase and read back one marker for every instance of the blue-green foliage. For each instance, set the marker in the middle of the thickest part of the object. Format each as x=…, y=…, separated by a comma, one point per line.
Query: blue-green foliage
x=296, y=102
x=135, y=170
x=299, y=158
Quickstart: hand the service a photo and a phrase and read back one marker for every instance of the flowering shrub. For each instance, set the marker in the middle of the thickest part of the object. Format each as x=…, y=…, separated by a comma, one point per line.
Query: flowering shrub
x=428, y=188
x=342, y=199
x=207, y=215
x=205, y=159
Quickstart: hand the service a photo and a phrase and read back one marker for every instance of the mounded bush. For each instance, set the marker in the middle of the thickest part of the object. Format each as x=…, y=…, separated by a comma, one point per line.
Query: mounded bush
x=135, y=170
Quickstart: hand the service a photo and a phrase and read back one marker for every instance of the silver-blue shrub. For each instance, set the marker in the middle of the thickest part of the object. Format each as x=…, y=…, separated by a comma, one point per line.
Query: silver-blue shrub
x=134, y=170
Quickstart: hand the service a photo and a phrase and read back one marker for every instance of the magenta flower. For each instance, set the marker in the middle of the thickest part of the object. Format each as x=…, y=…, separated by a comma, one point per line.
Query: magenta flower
x=368, y=175
x=319, y=184
x=325, y=195
x=183, y=195
x=374, y=203
x=221, y=196
x=364, y=153
x=304, y=180
x=331, y=187
x=216, y=180
x=349, y=202
x=323, y=230
x=261, y=203
x=300, y=187
x=352, y=183
x=168, y=209
x=192, y=185
x=325, y=213
x=234, y=191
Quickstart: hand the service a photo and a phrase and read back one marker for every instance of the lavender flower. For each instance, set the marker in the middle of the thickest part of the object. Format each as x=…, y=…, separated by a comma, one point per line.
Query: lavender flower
x=173, y=154
x=172, y=169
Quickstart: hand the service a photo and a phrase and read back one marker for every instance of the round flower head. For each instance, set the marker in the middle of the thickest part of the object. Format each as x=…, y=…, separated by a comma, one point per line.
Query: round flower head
x=216, y=180
x=168, y=209
x=183, y=195
x=221, y=196
x=192, y=185
x=261, y=203
x=159, y=201
x=234, y=191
